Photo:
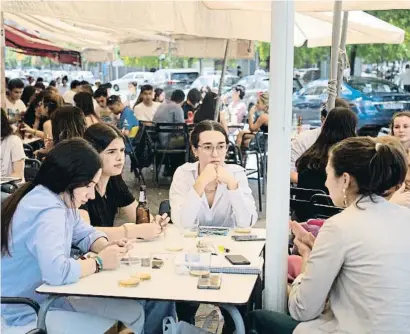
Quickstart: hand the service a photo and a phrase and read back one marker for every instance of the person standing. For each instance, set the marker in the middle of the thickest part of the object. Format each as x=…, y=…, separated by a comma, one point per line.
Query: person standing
x=405, y=78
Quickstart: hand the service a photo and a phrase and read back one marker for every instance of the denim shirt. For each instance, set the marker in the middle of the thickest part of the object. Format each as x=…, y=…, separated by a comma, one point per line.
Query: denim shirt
x=42, y=232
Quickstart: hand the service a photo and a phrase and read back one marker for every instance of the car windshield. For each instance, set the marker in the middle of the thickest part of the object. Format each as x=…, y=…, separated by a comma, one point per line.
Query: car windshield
x=374, y=86
x=185, y=77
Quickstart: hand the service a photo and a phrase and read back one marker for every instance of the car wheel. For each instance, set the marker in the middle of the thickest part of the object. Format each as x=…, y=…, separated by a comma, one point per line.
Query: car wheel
x=116, y=88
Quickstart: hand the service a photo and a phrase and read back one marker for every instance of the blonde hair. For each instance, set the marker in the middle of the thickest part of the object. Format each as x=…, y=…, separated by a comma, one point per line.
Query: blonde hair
x=396, y=115
x=264, y=99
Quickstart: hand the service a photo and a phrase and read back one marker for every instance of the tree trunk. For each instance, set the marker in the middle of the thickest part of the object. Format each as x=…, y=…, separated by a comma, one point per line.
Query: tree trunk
x=352, y=59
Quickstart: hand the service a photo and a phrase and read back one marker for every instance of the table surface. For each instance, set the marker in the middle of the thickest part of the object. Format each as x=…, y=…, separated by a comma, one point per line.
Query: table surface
x=27, y=140
x=165, y=283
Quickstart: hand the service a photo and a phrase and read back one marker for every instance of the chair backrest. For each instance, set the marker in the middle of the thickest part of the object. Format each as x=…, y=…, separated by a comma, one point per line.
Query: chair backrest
x=233, y=155
x=300, y=203
x=325, y=211
x=322, y=199
x=28, y=150
x=31, y=168
x=172, y=130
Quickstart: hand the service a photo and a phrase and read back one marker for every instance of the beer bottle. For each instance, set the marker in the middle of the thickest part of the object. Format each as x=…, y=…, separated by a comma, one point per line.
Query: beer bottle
x=142, y=208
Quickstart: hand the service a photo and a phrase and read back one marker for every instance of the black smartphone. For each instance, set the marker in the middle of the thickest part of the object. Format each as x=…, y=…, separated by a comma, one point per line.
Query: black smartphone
x=250, y=237
x=237, y=260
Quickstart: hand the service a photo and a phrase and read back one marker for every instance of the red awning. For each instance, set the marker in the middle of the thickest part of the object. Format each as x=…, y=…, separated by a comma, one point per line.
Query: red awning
x=32, y=45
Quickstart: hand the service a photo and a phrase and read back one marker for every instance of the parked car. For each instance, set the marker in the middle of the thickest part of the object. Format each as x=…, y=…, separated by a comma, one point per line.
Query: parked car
x=83, y=75
x=373, y=100
x=254, y=85
x=171, y=79
x=213, y=81
x=140, y=77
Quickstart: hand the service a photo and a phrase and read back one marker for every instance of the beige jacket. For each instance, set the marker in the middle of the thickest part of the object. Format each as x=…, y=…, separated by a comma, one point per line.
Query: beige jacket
x=361, y=262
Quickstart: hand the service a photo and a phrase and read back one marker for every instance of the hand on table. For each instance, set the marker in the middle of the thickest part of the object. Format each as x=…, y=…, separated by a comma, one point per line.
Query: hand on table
x=162, y=221
x=111, y=255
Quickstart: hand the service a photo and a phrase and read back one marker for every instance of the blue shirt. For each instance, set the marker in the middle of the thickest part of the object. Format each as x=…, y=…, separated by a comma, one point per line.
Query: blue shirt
x=127, y=119
x=42, y=232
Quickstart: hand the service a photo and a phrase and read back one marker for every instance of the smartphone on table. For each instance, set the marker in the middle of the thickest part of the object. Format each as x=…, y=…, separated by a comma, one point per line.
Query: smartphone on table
x=250, y=237
x=212, y=282
x=237, y=260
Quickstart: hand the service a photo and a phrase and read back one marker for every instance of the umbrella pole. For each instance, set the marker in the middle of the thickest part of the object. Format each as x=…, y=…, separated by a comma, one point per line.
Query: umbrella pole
x=342, y=50
x=224, y=65
x=2, y=62
x=280, y=119
x=337, y=16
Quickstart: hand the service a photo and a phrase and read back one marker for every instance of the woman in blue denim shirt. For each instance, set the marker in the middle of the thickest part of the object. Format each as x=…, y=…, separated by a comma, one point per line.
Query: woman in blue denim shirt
x=40, y=222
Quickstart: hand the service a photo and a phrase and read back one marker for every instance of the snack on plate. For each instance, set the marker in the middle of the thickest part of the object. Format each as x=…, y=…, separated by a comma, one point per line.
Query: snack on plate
x=144, y=276
x=243, y=230
x=130, y=282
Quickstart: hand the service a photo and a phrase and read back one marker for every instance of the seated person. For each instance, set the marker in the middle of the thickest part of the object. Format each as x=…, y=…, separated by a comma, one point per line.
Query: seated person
x=101, y=109
x=208, y=191
x=258, y=120
x=112, y=195
x=34, y=118
x=340, y=124
x=12, y=151
x=40, y=222
x=303, y=141
x=145, y=107
x=400, y=128
x=236, y=111
x=128, y=123
x=353, y=279
x=85, y=102
x=192, y=102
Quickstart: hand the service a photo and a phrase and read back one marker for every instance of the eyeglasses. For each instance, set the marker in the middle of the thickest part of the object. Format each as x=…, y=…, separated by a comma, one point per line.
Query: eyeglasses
x=220, y=148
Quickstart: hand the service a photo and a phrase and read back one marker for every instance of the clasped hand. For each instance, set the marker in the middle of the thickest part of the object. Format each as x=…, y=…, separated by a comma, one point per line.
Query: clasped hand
x=218, y=174
x=304, y=240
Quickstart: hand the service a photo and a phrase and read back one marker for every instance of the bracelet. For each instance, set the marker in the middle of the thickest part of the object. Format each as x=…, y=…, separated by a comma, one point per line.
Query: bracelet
x=99, y=264
x=125, y=231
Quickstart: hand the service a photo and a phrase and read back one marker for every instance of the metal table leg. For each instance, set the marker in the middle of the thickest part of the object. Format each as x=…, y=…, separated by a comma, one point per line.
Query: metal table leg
x=236, y=317
x=41, y=318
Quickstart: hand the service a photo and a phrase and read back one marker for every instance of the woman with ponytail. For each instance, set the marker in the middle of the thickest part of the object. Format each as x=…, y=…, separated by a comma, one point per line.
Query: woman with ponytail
x=354, y=276
x=39, y=223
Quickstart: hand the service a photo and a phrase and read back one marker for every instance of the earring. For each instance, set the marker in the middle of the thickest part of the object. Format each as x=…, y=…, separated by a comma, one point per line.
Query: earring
x=344, y=198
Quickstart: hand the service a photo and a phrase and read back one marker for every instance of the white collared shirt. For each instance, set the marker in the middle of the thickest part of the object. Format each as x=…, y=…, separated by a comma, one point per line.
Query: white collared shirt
x=300, y=144
x=231, y=208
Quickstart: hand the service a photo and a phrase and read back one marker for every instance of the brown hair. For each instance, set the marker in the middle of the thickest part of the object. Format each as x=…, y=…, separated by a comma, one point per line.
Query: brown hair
x=376, y=167
x=206, y=126
x=68, y=122
x=398, y=114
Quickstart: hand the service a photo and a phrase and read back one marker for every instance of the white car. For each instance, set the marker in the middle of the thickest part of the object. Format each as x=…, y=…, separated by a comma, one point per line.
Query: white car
x=140, y=77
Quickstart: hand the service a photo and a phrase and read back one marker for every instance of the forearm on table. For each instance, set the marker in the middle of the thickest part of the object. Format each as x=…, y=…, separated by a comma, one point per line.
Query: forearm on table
x=99, y=244
x=88, y=267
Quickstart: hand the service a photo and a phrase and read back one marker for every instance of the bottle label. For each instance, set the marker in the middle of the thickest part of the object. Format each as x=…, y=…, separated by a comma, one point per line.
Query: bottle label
x=141, y=197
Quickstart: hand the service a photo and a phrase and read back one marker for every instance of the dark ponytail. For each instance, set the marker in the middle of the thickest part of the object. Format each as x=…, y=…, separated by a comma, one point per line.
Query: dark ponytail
x=376, y=167
x=8, y=208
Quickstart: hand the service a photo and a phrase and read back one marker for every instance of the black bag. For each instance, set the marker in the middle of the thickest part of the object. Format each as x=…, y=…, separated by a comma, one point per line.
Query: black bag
x=143, y=148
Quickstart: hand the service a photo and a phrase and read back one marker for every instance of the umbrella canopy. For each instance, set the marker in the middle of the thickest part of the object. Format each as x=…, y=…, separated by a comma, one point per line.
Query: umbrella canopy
x=180, y=21
x=29, y=44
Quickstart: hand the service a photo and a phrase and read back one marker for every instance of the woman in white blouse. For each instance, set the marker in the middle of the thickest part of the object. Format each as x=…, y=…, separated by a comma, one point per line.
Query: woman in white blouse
x=355, y=277
x=209, y=192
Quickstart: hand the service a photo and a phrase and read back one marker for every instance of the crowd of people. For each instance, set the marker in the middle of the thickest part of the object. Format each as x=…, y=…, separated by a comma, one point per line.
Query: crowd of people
x=351, y=276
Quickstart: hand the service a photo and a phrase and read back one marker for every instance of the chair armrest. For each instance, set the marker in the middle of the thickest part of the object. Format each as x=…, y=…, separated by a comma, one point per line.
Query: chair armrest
x=21, y=301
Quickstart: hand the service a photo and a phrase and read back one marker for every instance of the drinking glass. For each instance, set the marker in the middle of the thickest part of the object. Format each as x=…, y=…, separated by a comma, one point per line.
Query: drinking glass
x=199, y=263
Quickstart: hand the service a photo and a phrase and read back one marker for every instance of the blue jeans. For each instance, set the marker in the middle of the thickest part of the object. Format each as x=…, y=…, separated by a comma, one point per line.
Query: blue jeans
x=155, y=312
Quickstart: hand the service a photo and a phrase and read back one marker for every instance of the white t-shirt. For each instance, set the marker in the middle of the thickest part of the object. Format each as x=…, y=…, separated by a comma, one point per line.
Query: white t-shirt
x=144, y=113
x=11, y=151
x=63, y=89
x=13, y=109
x=69, y=97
